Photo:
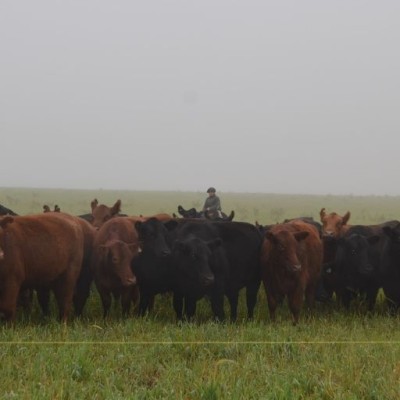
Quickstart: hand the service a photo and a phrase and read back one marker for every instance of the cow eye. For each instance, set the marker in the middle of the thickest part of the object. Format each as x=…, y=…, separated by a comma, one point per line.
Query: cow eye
x=281, y=247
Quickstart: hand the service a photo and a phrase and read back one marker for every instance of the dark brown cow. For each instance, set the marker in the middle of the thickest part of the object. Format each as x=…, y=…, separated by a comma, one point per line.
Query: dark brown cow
x=291, y=258
x=44, y=250
x=115, y=245
x=102, y=213
x=82, y=288
x=334, y=225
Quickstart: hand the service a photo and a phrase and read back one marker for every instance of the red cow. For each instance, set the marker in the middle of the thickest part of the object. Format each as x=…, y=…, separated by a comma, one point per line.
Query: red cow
x=291, y=258
x=115, y=245
x=102, y=213
x=44, y=250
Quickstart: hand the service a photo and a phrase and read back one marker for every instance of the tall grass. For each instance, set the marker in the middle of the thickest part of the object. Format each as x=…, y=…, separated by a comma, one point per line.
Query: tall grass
x=331, y=354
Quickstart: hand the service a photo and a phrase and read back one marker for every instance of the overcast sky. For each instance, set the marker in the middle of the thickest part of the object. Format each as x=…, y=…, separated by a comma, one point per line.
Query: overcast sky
x=247, y=96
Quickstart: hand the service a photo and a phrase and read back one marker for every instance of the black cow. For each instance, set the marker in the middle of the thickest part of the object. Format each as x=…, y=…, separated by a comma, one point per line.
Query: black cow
x=356, y=268
x=6, y=211
x=226, y=255
x=152, y=266
x=193, y=213
x=390, y=265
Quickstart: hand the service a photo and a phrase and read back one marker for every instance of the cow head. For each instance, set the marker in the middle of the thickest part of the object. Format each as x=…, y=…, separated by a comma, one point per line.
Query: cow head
x=332, y=224
x=353, y=259
x=284, y=248
x=117, y=256
x=102, y=213
x=153, y=236
x=192, y=259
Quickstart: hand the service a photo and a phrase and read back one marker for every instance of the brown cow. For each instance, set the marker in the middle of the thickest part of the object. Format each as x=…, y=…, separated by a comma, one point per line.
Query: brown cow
x=102, y=213
x=115, y=245
x=334, y=225
x=291, y=258
x=44, y=250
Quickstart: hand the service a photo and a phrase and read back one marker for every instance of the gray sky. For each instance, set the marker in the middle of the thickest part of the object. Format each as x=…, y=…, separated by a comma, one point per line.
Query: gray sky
x=247, y=96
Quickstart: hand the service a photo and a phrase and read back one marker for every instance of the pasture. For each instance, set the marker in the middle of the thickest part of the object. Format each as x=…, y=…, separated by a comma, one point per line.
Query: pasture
x=330, y=354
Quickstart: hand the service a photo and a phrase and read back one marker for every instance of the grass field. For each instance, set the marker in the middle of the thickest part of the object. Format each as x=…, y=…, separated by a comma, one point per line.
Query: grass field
x=331, y=354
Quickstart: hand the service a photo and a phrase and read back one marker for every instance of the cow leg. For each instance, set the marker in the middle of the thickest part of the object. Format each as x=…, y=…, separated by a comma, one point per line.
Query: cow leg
x=25, y=300
x=190, y=308
x=217, y=306
x=310, y=294
x=251, y=297
x=178, y=305
x=8, y=303
x=233, y=304
x=272, y=301
x=64, y=292
x=82, y=290
x=105, y=297
x=43, y=296
x=295, y=301
x=126, y=299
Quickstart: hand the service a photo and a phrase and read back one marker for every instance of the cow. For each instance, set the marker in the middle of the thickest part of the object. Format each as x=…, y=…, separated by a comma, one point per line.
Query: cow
x=389, y=267
x=115, y=244
x=102, y=213
x=226, y=255
x=356, y=267
x=84, y=281
x=333, y=227
x=152, y=266
x=39, y=251
x=291, y=259
x=193, y=213
x=6, y=211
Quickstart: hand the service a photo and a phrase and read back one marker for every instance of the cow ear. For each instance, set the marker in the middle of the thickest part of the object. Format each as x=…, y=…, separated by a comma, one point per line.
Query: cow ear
x=346, y=218
x=138, y=226
x=300, y=235
x=116, y=208
x=171, y=224
x=322, y=214
x=271, y=237
x=5, y=221
x=94, y=204
x=373, y=239
x=214, y=244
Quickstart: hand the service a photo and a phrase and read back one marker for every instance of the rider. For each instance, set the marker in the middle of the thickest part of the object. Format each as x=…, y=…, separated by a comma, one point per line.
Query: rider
x=212, y=205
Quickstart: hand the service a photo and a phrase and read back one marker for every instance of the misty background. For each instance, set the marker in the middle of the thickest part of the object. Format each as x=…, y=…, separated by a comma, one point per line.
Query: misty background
x=255, y=96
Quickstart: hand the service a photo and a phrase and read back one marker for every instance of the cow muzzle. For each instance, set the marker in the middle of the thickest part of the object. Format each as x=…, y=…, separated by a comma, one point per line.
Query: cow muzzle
x=296, y=267
x=129, y=281
x=207, y=281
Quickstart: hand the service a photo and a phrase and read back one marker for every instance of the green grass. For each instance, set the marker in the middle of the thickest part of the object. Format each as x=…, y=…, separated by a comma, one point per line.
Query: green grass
x=331, y=354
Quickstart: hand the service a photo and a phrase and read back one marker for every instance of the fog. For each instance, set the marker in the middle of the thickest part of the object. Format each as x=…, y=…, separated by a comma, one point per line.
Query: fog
x=255, y=96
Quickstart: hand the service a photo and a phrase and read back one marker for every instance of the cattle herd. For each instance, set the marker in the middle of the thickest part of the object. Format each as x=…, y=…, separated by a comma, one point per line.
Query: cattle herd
x=131, y=259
